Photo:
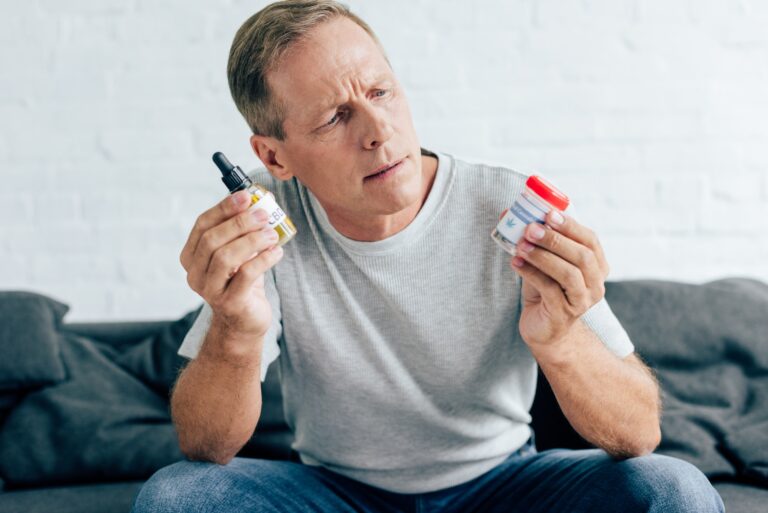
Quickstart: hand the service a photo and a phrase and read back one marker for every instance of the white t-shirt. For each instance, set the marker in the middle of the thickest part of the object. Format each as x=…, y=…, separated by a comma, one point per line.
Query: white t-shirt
x=401, y=363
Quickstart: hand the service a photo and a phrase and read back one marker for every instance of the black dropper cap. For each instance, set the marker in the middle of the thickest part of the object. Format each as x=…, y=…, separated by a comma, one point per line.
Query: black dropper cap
x=232, y=176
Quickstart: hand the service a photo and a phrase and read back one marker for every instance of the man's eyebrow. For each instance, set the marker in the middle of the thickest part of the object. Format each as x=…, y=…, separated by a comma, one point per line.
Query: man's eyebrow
x=332, y=101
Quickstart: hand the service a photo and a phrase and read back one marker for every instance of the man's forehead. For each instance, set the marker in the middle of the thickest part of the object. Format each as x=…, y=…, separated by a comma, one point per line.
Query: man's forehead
x=318, y=93
x=317, y=71
x=328, y=99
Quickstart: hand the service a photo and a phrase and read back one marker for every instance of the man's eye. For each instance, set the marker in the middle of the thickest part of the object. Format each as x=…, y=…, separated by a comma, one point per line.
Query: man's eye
x=334, y=119
x=380, y=93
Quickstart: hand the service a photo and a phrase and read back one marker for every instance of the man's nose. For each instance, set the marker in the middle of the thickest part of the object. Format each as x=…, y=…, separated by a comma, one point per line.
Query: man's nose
x=377, y=128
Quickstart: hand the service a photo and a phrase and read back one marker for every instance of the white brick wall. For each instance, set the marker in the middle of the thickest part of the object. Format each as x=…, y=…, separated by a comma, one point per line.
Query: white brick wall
x=652, y=115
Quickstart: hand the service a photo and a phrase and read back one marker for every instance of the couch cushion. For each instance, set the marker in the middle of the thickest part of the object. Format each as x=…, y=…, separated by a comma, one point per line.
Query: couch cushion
x=29, y=340
x=8, y=399
x=100, y=424
x=154, y=360
x=742, y=498
x=96, y=498
x=709, y=346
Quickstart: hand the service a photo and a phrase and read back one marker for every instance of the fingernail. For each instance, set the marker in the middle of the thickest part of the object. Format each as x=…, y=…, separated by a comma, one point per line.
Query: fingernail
x=524, y=246
x=239, y=198
x=536, y=231
x=517, y=261
x=556, y=218
x=260, y=214
x=272, y=235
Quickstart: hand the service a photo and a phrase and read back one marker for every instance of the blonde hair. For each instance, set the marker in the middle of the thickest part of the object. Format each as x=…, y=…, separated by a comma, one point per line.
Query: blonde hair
x=258, y=46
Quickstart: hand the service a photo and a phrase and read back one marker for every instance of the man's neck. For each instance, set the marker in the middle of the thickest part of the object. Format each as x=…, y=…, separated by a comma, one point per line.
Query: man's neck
x=370, y=230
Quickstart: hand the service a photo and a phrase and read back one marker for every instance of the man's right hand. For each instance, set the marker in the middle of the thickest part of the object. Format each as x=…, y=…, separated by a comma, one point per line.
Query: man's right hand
x=226, y=255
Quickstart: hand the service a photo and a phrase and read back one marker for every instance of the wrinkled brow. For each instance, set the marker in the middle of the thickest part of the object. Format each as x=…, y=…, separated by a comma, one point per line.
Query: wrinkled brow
x=332, y=101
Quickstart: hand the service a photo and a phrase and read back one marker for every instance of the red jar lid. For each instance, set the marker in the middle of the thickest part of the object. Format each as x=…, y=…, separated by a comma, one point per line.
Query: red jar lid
x=547, y=192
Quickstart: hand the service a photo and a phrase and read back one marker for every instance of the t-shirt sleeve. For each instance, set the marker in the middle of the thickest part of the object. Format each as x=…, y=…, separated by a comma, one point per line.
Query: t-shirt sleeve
x=193, y=341
x=602, y=321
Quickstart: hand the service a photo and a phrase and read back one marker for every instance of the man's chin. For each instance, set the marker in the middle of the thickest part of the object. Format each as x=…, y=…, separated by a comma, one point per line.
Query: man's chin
x=394, y=200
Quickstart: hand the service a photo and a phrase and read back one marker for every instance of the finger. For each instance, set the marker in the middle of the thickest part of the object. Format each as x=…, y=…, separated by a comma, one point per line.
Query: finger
x=223, y=210
x=567, y=276
x=229, y=230
x=503, y=213
x=578, y=255
x=218, y=236
x=579, y=233
x=252, y=272
x=548, y=288
x=227, y=260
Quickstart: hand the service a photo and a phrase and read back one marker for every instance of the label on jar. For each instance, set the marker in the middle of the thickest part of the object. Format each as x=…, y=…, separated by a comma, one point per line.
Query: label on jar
x=522, y=213
x=275, y=213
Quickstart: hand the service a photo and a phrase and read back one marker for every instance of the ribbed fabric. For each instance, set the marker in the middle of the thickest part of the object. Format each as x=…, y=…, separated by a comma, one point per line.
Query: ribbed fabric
x=401, y=361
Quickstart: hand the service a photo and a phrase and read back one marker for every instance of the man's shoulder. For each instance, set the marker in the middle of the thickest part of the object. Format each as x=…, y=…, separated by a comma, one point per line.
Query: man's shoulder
x=487, y=177
x=261, y=176
x=482, y=167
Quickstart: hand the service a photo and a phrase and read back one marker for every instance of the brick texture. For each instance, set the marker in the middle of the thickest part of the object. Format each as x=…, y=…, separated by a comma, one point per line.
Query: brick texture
x=650, y=114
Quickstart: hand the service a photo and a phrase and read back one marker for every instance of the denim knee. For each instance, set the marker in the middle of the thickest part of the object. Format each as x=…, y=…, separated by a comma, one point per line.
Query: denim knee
x=657, y=483
x=176, y=488
x=243, y=484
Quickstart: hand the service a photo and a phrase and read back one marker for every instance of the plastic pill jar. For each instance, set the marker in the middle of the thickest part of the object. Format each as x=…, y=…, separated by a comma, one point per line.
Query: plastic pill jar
x=532, y=206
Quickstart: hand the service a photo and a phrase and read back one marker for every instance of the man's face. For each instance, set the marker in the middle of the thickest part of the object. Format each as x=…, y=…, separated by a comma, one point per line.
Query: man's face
x=346, y=115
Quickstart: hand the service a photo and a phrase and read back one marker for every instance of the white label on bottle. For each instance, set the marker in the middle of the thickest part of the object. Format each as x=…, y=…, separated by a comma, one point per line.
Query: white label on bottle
x=268, y=203
x=521, y=214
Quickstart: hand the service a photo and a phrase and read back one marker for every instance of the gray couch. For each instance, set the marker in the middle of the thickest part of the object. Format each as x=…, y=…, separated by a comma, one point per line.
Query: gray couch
x=84, y=411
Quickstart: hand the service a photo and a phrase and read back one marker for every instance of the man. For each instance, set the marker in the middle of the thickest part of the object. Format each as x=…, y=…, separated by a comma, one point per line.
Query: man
x=407, y=342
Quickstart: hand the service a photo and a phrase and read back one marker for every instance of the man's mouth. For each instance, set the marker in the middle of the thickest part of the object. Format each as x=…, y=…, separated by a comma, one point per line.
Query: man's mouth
x=384, y=171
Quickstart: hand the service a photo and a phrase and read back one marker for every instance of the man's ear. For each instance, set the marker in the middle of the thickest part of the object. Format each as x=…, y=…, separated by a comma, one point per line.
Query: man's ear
x=266, y=148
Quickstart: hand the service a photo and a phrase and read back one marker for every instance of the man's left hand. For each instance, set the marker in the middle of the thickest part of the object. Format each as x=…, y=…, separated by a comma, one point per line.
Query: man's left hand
x=563, y=269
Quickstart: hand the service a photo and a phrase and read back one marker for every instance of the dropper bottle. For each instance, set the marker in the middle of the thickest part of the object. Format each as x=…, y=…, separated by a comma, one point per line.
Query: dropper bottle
x=236, y=180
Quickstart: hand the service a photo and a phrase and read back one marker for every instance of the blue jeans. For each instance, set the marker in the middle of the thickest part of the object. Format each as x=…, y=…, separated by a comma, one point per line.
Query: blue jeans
x=558, y=480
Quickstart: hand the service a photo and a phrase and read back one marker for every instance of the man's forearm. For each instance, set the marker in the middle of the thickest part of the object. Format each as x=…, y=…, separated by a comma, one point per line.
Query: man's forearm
x=216, y=401
x=611, y=402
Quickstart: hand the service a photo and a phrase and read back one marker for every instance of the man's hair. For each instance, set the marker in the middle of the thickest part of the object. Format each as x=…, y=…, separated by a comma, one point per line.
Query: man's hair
x=257, y=48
